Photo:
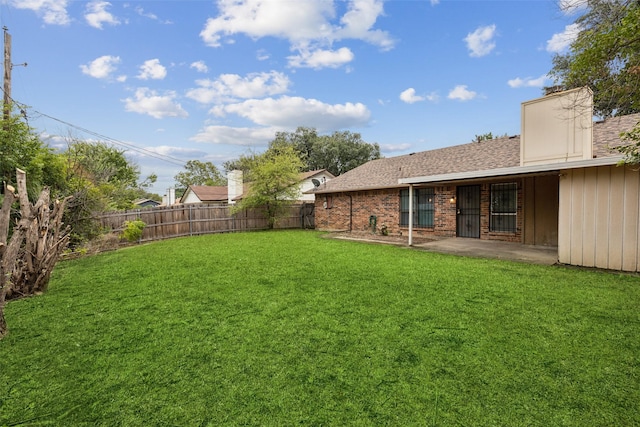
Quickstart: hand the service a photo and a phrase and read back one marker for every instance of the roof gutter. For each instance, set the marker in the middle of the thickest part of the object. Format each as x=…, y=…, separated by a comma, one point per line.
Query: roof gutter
x=516, y=170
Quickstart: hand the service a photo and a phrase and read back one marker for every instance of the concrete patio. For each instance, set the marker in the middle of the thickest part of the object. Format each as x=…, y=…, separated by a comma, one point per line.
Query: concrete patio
x=547, y=255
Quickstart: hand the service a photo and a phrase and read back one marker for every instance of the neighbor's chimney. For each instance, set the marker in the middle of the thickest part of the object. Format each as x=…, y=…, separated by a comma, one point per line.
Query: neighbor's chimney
x=234, y=185
x=169, y=199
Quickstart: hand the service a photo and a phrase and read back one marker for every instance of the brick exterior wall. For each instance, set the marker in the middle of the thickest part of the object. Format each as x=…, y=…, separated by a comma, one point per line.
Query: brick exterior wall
x=352, y=211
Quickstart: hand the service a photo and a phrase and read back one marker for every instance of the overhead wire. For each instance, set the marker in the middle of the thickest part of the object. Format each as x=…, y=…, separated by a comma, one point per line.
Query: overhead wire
x=127, y=145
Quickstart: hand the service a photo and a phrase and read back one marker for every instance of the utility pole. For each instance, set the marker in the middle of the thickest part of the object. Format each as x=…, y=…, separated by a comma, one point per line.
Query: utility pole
x=7, y=74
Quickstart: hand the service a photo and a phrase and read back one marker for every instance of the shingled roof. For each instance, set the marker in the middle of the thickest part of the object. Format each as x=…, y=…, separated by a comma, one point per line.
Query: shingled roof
x=207, y=193
x=476, y=156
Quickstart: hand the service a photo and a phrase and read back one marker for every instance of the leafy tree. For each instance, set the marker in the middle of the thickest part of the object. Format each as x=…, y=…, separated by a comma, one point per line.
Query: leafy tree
x=605, y=56
x=199, y=173
x=21, y=148
x=338, y=152
x=100, y=178
x=273, y=176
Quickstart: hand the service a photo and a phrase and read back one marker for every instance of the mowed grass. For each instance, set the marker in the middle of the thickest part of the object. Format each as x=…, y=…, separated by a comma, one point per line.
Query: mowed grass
x=287, y=328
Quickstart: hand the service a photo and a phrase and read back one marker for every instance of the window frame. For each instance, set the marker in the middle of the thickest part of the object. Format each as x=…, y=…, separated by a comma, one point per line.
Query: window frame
x=503, y=207
x=423, y=207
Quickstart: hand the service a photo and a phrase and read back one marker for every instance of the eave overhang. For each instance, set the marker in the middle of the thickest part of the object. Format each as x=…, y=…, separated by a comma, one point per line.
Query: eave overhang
x=511, y=171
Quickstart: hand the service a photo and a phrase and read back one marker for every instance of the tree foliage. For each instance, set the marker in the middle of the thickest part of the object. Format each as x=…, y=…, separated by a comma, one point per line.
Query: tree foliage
x=605, y=56
x=199, y=173
x=273, y=178
x=337, y=153
x=100, y=178
x=21, y=148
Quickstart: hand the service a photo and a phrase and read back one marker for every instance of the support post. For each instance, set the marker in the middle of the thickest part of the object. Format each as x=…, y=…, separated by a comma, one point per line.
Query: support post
x=410, y=214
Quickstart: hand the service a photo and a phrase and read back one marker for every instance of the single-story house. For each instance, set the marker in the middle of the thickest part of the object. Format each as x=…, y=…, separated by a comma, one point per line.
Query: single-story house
x=558, y=184
x=236, y=188
x=146, y=203
x=213, y=195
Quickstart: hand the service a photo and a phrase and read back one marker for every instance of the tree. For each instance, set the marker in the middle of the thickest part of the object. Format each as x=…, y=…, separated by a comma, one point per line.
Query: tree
x=337, y=153
x=30, y=250
x=21, y=148
x=274, y=176
x=340, y=152
x=606, y=57
x=199, y=173
x=100, y=178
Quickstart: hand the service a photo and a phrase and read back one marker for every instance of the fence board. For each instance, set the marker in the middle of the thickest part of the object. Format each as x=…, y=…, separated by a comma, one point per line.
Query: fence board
x=165, y=222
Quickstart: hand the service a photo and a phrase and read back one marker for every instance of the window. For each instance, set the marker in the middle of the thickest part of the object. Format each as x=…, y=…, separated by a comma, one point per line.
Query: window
x=423, y=207
x=504, y=206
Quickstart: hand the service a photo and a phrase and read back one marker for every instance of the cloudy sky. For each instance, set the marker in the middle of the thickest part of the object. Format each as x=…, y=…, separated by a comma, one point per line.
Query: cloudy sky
x=173, y=81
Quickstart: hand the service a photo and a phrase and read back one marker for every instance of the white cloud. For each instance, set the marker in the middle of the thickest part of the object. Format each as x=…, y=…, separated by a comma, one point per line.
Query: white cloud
x=53, y=12
x=262, y=55
x=461, y=93
x=359, y=21
x=409, y=96
x=561, y=41
x=435, y=2
x=97, y=14
x=152, y=69
x=528, y=82
x=291, y=112
x=147, y=101
x=200, y=66
x=481, y=42
x=390, y=148
x=230, y=87
x=321, y=58
x=102, y=67
x=243, y=136
x=303, y=22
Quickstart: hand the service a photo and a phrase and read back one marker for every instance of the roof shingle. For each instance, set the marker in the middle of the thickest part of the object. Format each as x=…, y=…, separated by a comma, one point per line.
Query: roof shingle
x=476, y=156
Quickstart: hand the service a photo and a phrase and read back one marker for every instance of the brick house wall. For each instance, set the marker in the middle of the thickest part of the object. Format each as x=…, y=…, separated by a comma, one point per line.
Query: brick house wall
x=352, y=212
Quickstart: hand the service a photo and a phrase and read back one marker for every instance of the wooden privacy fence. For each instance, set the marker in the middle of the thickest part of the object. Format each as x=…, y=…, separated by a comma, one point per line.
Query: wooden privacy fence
x=191, y=220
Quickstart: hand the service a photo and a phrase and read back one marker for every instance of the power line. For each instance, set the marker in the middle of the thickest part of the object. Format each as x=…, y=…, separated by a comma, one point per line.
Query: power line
x=127, y=145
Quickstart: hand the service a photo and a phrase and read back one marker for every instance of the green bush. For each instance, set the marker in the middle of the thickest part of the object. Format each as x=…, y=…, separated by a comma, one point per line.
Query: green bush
x=133, y=230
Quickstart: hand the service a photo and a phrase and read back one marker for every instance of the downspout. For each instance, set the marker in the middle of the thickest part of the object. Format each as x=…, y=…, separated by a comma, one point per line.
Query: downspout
x=410, y=214
x=350, y=212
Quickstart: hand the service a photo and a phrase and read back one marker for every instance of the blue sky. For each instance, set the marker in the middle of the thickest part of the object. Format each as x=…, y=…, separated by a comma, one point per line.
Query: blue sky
x=210, y=80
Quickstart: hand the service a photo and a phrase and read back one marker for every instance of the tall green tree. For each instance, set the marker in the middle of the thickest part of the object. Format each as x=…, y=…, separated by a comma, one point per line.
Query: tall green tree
x=274, y=176
x=21, y=148
x=605, y=56
x=199, y=173
x=338, y=152
x=100, y=178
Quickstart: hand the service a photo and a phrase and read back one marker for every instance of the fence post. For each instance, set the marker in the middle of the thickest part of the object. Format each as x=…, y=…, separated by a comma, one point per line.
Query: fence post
x=190, y=222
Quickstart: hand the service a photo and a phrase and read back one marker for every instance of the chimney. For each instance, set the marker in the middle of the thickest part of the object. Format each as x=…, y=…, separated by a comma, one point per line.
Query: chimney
x=557, y=128
x=234, y=185
x=169, y=199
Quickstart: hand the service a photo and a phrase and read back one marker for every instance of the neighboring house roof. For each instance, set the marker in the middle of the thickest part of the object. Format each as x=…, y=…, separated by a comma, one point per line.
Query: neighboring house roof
x=144, y=203
x=311, y=174
x=302, y=177
x=207, y=193
x=476, y=156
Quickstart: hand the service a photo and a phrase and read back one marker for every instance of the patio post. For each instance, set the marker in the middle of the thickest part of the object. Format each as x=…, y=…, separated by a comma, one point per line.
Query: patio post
x=410, y=214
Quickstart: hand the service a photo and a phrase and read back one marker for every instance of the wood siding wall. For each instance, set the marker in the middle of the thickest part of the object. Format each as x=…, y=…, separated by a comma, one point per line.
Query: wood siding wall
x=599, y=218
x=190, y=220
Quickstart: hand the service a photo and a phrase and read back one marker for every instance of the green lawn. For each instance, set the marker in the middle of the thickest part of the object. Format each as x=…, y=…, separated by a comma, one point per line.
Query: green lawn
x=284, y=328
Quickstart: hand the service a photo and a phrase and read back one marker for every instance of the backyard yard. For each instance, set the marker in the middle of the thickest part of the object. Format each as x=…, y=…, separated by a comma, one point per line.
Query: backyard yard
x=287, y=328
